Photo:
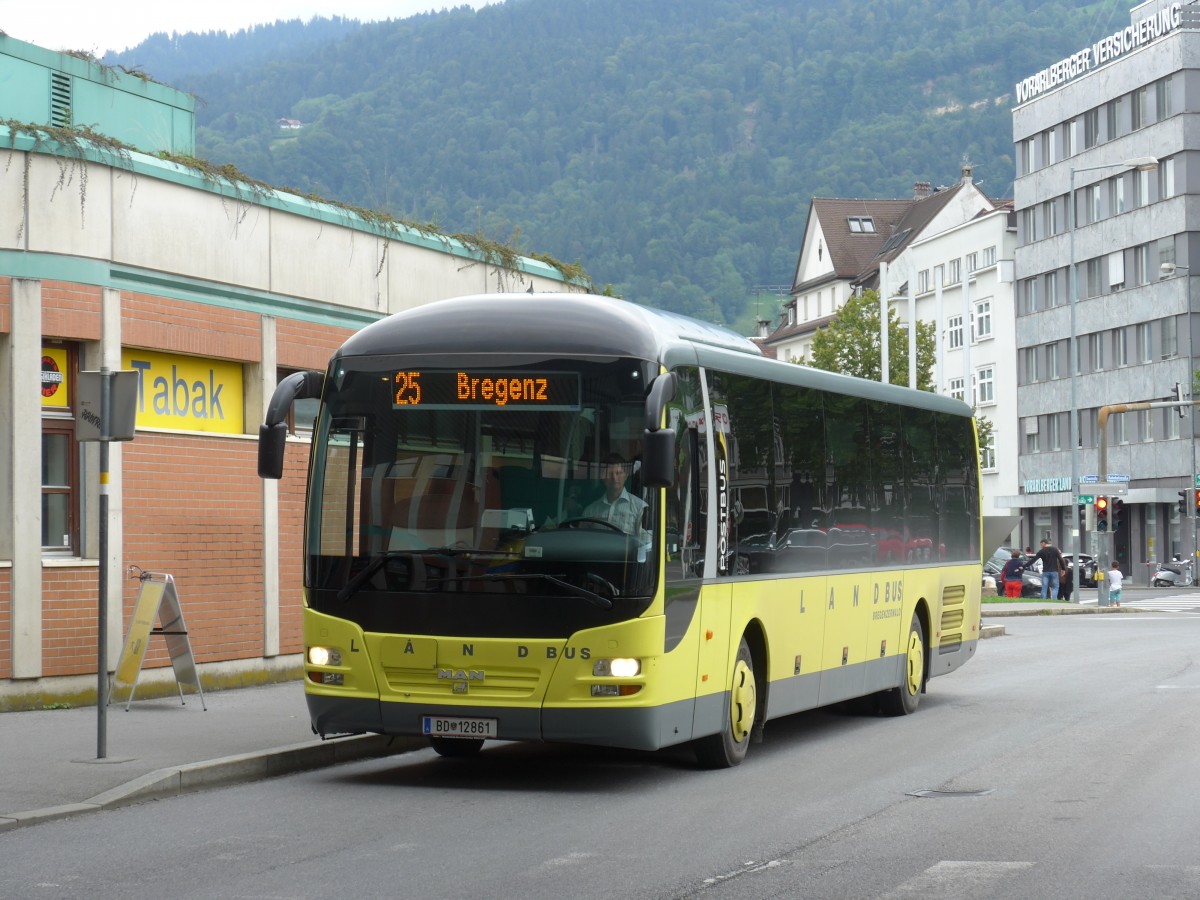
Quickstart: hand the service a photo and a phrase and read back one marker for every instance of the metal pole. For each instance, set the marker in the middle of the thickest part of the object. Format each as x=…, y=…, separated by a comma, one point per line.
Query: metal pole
x=102, y=605
x=884, y=320
x=1073, y=422
x=1192, y=437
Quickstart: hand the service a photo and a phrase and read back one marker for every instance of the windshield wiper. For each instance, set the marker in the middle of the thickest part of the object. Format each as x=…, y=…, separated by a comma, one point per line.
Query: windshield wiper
x=353, y=586
x=590, y=596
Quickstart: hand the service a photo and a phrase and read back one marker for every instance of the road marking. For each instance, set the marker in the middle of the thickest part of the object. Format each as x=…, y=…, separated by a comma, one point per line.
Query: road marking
x=952, y=879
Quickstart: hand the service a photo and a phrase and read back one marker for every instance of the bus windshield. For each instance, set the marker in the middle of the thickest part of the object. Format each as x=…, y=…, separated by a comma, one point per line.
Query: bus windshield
x=482, y=499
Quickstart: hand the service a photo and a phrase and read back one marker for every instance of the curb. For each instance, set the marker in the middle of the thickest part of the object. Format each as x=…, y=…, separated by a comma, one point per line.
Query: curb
x=175, y=780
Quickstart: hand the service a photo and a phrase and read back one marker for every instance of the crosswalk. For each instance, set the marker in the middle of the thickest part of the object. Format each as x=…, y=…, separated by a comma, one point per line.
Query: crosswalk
x=1166, y=602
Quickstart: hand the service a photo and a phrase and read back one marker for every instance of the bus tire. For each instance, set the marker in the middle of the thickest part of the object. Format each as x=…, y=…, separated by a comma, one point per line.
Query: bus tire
x=453, y=748
x=728, y=747
x=903, y=700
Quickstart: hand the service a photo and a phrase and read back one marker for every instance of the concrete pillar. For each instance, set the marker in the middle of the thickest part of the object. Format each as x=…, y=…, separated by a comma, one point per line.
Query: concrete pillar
x=256, y=407
x=21, y=531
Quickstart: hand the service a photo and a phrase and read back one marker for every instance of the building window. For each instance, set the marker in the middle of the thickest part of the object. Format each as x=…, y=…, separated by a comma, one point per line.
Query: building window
x=989, y=256
x=955, y=388
x=1120, y=429
x=1163, y=106
x=1033, y=443
x=922, y=281
x=1137, y=108
x=1053, y=367
x=60, y=452
x=983, y=319
x=987, y=453
x=972, y=262
x=1116, y=195
x=1172, y=429
x=1121, y=347
x=1166, y=179
x=304, y=412
x=1031, y=294
x=1053, y=432
x=954, y=271
x=985, y=386
x=1027, y=156
x=1141, y=189
x=1145, y=339
x=1091, y=128
x=1170, y=338
x=1166, y=252
x=1052, y=296
x=1095, y=208
x=1033, y=222
x=1146, y=424
x=1031, y=365
x=1141, y=264
x=954, y=332
x=861, y=224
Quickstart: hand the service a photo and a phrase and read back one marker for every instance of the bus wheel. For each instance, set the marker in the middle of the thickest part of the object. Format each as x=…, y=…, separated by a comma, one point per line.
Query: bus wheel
x=455, y=747
x=728, y=747
x=903, y=700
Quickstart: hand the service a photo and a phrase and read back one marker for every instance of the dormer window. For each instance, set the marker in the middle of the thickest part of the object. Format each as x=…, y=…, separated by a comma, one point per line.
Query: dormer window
x=861, y=225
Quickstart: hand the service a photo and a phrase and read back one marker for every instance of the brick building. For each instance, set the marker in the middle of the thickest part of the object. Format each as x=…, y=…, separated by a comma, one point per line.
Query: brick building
x=210, y=288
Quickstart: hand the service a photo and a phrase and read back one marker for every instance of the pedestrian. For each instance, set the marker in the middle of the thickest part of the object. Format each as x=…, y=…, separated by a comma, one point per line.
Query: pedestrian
x=1115, y=577
x=1052, y=563
x=1066, y=582
x=1011, y=575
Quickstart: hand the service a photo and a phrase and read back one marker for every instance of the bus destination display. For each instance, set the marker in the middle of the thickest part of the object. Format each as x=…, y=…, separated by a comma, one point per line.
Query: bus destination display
x=472, y=389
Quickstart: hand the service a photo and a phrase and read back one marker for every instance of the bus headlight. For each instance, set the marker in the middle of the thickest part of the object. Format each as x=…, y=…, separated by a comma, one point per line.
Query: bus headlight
x=617, y=668
x=324, y=656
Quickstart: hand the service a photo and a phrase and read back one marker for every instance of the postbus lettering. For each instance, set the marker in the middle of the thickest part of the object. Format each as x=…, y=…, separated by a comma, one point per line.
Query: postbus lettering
x=408, y=648
x=522, y=651
x=831, y=598
x=468, y=650
x=855, y=603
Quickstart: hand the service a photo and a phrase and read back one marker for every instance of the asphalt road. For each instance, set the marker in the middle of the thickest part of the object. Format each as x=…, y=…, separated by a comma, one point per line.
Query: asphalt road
x=1061, y=763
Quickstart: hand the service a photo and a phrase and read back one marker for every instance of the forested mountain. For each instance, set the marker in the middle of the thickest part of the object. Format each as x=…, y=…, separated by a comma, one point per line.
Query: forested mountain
x=669, y=146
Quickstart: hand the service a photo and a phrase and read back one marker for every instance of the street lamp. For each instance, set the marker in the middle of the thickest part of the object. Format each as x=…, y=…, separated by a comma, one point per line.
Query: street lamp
x=1141, y=164
x=1168, y=270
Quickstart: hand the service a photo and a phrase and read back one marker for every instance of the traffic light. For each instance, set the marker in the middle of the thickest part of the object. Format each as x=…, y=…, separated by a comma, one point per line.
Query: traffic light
x=1118, y=513
x=1102, y=513
x=1197, y=502
x=1183, y=503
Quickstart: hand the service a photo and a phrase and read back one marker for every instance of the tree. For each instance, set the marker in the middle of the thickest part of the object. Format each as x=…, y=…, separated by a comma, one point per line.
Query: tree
x=850, y=344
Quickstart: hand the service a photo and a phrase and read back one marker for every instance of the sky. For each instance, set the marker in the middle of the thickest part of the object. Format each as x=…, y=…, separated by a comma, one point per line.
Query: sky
x=116, y=25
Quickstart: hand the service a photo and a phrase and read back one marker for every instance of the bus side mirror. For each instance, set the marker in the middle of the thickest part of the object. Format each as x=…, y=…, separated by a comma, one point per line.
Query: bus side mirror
x=658, y=460
x=271, y=440
x=272, y=434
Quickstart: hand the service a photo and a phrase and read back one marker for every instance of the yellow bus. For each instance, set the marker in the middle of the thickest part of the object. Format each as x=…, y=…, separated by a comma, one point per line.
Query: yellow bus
x=569, y=518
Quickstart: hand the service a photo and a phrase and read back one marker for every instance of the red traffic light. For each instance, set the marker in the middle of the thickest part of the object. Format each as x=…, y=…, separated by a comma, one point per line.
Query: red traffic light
x=1102, y=502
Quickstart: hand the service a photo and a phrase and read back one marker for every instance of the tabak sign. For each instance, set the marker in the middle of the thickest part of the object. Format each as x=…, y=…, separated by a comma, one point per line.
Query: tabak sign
x=1105, y=50
x=55, y=388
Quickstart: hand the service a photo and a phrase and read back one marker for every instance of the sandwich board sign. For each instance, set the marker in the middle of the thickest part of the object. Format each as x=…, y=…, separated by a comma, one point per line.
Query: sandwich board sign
x=157, y=600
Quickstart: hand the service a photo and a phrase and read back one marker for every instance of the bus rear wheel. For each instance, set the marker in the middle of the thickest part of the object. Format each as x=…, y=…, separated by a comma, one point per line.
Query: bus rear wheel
x=455, y=747
x=903, y=700
x=728, y=747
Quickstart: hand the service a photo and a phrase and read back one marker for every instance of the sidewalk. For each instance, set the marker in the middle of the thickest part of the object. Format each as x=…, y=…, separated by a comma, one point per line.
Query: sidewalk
x=162, y=748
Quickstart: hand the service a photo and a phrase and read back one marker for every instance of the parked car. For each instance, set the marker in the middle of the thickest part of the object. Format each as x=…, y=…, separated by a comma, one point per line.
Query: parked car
x=1087, y=569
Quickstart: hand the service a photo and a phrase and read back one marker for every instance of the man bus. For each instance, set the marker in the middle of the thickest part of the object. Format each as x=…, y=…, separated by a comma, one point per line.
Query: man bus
x=455, y=586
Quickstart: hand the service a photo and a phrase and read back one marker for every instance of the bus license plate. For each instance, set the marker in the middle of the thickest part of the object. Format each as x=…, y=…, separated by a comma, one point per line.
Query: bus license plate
x=458, y=727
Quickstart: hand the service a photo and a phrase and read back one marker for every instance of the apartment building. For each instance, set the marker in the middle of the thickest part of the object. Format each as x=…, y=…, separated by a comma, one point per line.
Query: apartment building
x=1106, y=191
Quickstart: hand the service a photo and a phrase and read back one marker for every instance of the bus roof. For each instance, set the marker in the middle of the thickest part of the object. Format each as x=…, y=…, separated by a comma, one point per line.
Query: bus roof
x=589, y=325
x=539, y=323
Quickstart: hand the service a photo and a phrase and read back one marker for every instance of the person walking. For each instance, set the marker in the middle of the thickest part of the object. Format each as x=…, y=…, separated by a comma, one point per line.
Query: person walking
x=1052, y=562
x=1011, y=575
x=1115, y=577
x=1066, y=582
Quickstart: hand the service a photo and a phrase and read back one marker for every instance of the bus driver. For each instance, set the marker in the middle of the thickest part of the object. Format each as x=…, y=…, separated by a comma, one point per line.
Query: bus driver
x=618, y=506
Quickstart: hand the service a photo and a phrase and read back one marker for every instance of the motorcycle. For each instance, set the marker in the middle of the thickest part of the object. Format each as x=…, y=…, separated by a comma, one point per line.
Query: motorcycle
x=1177, y=573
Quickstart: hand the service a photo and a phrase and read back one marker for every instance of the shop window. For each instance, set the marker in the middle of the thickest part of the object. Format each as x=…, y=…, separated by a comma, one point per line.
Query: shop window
x=303, y=413
x=60, y=452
